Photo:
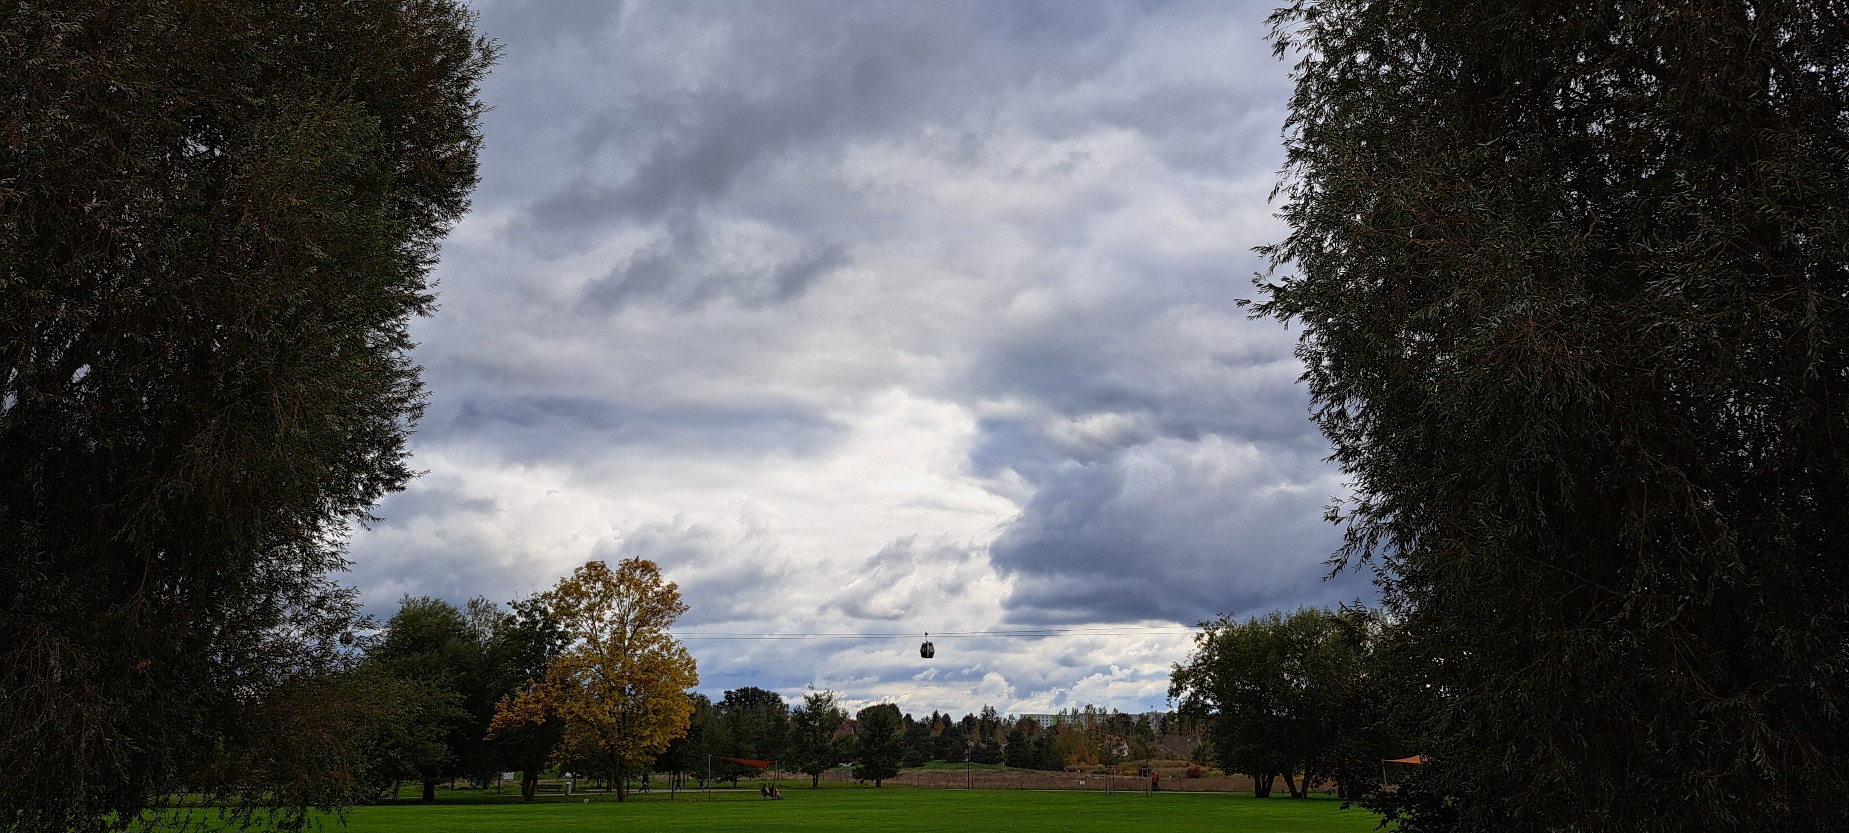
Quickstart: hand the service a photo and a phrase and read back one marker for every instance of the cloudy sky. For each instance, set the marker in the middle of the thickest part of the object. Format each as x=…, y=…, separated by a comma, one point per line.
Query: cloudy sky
x=875, y=317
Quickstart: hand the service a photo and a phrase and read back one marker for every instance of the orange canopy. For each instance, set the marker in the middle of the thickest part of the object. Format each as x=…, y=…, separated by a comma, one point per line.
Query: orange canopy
x=1416, y=759
x=748, y=762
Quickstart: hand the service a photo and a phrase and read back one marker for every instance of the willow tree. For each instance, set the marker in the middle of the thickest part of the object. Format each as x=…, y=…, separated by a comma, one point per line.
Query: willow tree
x=216, y=219
x=1572, y=280
x=621, y=684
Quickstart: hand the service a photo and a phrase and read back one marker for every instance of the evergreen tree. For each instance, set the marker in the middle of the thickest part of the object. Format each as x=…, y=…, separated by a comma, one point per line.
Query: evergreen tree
x=950, y=745
x=1018, y=750
x=878, y=742
x=1049, y=753
x=814, y=749
x=989, y=724
x=918, y=743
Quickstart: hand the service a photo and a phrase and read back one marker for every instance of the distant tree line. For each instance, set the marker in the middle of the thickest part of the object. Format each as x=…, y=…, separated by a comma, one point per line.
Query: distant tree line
x=816, y=736
x=440, y=681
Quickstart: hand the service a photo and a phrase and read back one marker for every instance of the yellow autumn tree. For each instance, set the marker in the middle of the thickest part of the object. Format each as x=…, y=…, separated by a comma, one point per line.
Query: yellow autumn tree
x=621, y=685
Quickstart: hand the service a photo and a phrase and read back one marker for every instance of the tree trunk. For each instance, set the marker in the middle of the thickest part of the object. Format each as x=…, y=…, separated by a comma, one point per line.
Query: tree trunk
x=622, y=782
x=1261, y=785
x=815, y=780
x=430, y=790
x=529, y=784
x=1290, y=783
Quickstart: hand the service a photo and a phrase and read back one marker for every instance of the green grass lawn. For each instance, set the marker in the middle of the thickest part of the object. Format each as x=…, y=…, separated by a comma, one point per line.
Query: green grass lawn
x=896, y=809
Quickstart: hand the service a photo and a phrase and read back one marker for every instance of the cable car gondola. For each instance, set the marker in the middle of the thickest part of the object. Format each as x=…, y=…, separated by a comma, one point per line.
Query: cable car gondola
x=927, y=650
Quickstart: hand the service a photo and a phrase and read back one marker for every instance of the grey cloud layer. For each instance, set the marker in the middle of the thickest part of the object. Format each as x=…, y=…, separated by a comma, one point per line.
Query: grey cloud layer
x=737, y=267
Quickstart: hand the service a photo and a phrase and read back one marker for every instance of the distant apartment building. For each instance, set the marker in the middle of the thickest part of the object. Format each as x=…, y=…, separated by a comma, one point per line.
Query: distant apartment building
x=1157, y=720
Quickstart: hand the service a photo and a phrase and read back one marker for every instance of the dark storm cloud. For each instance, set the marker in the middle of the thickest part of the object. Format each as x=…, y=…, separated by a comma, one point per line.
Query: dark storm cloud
x=794, y=79
x=677, y=270
x=1176, y=531
x=425, y=546
x=541, y=428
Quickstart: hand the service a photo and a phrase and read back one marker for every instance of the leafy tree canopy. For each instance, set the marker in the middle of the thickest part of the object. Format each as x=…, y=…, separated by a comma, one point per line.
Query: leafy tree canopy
x=620, y=687
x=1572, y=282
x=814, y=749
x=879, y=740
x=1286, y=695
x=216, y=219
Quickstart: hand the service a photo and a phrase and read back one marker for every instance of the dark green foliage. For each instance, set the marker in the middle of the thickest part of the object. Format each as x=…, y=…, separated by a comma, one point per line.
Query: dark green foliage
x=879, y=740
x=522, y=642
x=684, y=754
x=708, y=741
x=1286, y=696
x=320, y=741
x=1572, y=279
x=814, y=749
x=1048, y=754
x=918, y=743
x=1018, y=749
x=216, y=219
x=989, y=724
x=444, y=658
x=950, y=745
x=757, y=722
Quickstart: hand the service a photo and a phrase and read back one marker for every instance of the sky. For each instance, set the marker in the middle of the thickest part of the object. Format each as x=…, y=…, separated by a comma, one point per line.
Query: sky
x=875, y=318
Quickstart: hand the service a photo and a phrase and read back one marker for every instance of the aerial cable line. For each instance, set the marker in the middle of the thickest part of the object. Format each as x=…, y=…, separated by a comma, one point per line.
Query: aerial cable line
x=1123, y=630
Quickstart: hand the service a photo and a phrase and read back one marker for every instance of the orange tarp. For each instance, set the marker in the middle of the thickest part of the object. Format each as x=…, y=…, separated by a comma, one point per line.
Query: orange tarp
x=1416, y=759
x=748, y=762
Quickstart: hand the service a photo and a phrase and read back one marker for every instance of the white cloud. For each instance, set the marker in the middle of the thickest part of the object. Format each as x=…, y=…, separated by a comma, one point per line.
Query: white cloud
x=874, y=317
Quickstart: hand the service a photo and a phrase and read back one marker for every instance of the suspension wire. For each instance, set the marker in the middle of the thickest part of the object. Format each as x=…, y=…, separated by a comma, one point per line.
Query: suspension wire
x=1107, y=630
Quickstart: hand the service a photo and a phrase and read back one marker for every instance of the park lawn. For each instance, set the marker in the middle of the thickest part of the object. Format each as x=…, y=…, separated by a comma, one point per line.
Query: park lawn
x=896, y=809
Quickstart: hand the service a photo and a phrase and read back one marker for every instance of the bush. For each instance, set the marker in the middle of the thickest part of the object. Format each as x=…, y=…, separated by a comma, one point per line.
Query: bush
x=1194, y=771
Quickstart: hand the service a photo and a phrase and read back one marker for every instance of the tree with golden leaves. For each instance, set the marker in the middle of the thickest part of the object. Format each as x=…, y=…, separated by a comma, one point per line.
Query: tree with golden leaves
x=621, y=686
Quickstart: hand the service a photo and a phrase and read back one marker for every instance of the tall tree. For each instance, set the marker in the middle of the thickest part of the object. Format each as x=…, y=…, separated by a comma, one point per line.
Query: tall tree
x=989, y=724
x=950, y=745
x=879, y=739
x=707, y=726
x=621, y=685
x=918, y=743
x=525, y=641
x=1572, y=279
x=431, y=646
x=1018, y=750
x=216, y=219
x=757, y=722
x=814, y=749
